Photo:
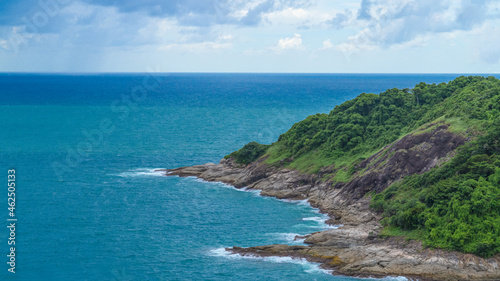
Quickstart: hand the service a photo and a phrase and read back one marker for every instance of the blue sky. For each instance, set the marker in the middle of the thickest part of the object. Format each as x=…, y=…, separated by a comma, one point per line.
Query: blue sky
x=360, y=36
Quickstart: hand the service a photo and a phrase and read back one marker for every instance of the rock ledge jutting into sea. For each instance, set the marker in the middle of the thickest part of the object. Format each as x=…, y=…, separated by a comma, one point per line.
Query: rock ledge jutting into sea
x=355, y=249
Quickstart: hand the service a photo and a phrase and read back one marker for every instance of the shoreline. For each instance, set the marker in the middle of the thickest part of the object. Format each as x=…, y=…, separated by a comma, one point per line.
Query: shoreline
x=353, y=249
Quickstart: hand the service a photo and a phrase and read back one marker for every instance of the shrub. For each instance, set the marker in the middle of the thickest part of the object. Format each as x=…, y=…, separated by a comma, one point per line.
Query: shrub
x=248, y=153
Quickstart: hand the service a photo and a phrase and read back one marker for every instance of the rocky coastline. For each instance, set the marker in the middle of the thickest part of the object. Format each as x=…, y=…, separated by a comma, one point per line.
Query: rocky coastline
x=355, y=249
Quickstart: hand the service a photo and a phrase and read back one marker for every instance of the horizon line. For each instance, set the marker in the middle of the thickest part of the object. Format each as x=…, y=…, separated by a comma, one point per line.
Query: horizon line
x=289, y=73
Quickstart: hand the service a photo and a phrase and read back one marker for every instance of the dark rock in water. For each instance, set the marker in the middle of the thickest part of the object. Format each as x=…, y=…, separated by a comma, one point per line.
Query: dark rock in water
x=355, y=248
x=159, y=170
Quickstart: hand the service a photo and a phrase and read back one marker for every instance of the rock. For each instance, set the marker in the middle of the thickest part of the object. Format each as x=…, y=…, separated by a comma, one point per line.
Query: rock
x=354, y=249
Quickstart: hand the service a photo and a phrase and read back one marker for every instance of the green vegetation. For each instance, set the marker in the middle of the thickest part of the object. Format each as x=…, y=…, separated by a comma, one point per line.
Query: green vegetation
x=248, y=153
x=360, y=127
x=398, y=232
x=454, y=206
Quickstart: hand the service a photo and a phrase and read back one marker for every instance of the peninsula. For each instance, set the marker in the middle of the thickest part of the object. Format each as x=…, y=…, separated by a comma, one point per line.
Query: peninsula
x=412, y=175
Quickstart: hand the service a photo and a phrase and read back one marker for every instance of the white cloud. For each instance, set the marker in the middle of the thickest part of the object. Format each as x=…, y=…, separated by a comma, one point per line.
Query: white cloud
x=290, y=43
x=297, y=17
x=364, y=40
x=487, y=40
x=223, y=41
x=403, y=24
x=4, y=44
x=203, y=47
x=396, y=22
x=160, y=30
x=376, y=30
x=202, y=12
x=327, y=44
x=225, y=37
x=341, y=20
x=417, y=42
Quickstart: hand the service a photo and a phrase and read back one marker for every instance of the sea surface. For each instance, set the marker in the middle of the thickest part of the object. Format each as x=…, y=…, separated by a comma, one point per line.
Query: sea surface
x=89, y=205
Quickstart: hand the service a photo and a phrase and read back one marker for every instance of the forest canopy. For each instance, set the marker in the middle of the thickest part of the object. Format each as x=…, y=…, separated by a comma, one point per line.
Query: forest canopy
x=454, y=206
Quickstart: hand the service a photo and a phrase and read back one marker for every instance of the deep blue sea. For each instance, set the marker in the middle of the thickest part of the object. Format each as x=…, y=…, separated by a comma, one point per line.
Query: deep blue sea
x=90, y=207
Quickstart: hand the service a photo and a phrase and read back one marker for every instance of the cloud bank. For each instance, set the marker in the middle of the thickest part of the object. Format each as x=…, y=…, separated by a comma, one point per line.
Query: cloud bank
x=103, y=28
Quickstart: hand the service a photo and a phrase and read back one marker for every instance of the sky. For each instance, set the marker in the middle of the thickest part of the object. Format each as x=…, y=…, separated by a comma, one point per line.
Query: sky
x=317, y=36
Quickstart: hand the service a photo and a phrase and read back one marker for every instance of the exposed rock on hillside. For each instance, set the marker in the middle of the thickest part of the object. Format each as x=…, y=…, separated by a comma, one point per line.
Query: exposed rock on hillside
x=354, y=248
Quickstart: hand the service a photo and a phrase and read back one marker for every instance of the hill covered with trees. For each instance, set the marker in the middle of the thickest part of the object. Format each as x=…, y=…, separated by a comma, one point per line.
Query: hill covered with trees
x=455, y=205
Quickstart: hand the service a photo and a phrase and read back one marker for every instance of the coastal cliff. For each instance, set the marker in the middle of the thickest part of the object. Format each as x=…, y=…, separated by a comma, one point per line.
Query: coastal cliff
x=381, y=188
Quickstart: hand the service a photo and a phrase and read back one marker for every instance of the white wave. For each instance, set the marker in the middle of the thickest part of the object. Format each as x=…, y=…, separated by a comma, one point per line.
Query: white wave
x=320, y=219
x=308, y=267
x=321, y=222
x=297, y=202
x=319, y=227
x=143, y=172
x=217, y=183
x=220, y=252
x=316, y=219
x=256, y=192
x=388, y=278
x=221, y=184
x=288, y=238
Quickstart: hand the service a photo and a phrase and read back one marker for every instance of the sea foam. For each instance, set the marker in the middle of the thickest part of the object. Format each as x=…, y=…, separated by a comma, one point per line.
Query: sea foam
x=320, y=222
x=143, y=172
x=221, y=184
x=307, y=266
x=288, y=238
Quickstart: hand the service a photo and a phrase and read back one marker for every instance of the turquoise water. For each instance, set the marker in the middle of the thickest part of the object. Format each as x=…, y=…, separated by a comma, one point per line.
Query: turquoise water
x=90, y=207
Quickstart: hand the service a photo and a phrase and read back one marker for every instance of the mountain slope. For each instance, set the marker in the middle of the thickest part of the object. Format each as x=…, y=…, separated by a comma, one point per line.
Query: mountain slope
x=429, y=157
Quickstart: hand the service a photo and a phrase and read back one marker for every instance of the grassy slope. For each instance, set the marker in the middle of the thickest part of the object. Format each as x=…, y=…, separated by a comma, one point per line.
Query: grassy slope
x=455, y=206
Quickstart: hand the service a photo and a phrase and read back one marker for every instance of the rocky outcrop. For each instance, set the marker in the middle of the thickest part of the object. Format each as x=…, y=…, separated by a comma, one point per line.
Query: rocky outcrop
x=413, y=154
x=390, y=257
x=355, y=248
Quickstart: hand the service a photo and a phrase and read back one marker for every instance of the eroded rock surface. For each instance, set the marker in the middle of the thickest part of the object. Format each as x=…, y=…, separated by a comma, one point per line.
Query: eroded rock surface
x=355, y=249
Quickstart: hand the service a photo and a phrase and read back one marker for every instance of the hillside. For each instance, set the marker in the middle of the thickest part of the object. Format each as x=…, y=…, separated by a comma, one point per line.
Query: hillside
x=428, y=157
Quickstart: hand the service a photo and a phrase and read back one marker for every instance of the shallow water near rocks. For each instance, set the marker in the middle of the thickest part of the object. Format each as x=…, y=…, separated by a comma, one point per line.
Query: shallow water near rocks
x=109, y=216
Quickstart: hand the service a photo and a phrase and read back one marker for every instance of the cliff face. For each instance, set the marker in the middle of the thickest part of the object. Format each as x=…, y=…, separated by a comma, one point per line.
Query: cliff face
x=355, y=249
x=413, y=154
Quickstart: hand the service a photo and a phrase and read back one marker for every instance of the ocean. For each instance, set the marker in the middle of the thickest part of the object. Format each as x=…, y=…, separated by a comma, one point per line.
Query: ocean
x=89, y=205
